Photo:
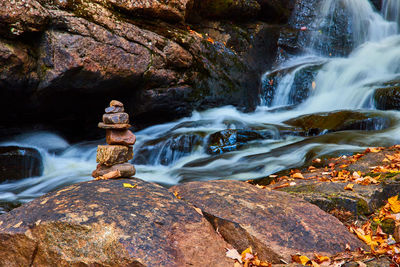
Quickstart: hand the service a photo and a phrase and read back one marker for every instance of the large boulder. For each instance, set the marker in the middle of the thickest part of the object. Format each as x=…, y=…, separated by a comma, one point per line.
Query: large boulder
x=19, y=162
x=275, y=224
x=104, y=223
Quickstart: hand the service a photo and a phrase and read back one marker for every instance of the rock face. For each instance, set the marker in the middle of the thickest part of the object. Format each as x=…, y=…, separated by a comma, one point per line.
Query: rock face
x=274, y=224
x=103, y=223
x=19, y=162
x=55, y=53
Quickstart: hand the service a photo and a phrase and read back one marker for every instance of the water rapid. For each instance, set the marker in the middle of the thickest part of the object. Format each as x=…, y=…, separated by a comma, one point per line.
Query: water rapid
x=317, y=80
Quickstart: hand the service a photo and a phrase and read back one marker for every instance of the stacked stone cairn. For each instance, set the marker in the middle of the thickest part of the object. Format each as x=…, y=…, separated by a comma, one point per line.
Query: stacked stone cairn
x=113, y=158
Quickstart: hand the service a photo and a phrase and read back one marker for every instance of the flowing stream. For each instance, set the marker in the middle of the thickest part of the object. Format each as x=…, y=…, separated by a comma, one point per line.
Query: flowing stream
x=176, y=152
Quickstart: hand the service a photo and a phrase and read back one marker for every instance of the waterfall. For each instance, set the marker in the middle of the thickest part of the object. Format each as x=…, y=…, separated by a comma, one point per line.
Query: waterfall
x=372, y=59
x=391, y=10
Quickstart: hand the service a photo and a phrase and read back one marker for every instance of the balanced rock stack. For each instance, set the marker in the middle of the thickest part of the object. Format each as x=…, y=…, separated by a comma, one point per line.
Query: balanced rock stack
x=113, y=158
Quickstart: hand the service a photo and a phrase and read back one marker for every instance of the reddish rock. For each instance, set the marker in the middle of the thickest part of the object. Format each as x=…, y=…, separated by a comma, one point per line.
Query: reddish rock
x=126, y=169
x=111, y=155
x=114, y=126
x=103, y=223
x=120, y=137
x=275, y=224
x=116, y=118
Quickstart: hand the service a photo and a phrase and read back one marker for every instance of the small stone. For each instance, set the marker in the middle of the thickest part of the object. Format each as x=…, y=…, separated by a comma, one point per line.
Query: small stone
x=120, y=137
x=116, y=118
x=111, y=155
x=117, y=126
x=116, y=103
x=110, y=175
x=126, y=169
x=114, y=109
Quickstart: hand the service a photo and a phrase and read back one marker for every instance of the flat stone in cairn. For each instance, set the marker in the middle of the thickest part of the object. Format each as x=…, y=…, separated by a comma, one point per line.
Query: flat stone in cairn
x=116, y=103
x=125, y=169
x=114, y=126
x=120, y=137
x=114, y=109
x=116, y=118
x=112, y=155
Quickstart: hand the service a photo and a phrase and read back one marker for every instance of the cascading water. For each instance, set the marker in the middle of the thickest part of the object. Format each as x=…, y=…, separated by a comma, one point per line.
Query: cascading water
x=315, y=81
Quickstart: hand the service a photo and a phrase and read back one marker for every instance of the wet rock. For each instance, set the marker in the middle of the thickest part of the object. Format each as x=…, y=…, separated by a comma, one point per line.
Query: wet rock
x=230, y=140
x=120, y=137
x=126, y=169
x=116, y=103
x=387, y=98
x=103, y=223
x=319, y=123
x=110, y=155
x=167, y=150
x=19, y=162
x=114, y=126
x=274, y=224
x=300, y=88
x=116, y=118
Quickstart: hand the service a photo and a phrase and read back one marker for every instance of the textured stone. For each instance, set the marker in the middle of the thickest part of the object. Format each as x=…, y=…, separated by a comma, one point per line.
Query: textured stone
x=120, y=137
x=275, y=224
x=126, y=169
x=106, y=126
x=111, y=155
x=116, y=103
x=19, y=162
x=116, y=118
x=103, y=223
x=114, y=109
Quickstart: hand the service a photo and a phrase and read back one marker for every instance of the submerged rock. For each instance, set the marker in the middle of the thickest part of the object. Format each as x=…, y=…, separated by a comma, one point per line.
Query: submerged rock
x=19, y=162
x=274, y=224
x=103, y=223
x=230, y=140
x=319, y=123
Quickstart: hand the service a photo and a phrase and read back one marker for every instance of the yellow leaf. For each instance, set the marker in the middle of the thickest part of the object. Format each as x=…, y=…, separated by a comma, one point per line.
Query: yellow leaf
x=321, y=259
x=129, y=185
x=394, y=204
x=366, y=238
x=300, y=259
x=246, y=251
x=349, y=187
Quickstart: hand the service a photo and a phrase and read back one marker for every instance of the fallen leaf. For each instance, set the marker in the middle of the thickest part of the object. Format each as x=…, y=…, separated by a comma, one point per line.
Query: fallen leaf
x=394, y=204
x=233, y=254
x=298, y=175
x=349, y=187
x=300, y=259
x=320, y=258
x=176, y=194
x=313, y=85
x=129, y=185
x=281, y=186
x=198, y=210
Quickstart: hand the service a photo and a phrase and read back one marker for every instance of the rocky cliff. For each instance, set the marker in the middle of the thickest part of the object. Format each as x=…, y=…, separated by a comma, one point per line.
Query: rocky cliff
x=164, y=59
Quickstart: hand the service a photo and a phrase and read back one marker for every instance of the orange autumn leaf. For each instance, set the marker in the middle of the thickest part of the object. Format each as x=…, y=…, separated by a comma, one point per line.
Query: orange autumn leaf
x=281, y=186
x=349, y=187
x=366, y=238
x=298, y=175
x=394, y=204
x=210, y=40
x=320, y=259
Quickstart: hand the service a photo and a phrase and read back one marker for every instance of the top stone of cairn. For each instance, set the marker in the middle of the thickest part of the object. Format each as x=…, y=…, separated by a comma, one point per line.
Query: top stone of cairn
x=115, y=107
